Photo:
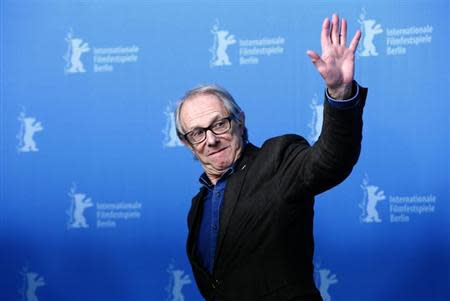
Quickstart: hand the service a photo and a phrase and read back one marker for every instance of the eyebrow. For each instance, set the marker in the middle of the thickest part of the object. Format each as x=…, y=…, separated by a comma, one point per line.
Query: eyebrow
x=215, y=119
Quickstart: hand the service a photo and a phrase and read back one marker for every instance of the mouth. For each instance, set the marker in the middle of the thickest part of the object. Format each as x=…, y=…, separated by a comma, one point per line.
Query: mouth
x=218, y=151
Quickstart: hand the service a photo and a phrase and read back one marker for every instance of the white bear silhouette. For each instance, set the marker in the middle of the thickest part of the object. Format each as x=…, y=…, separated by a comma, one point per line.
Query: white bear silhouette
x=77, y=48
x=326, y=280
x=372, y=195
x=222, y=39
x=33, y=282
x=81, y=203
x=370, y=30
x=29, y=128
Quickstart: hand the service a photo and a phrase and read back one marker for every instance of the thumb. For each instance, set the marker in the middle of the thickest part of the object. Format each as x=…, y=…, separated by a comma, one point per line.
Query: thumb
x=317, y=61
x=313, y=56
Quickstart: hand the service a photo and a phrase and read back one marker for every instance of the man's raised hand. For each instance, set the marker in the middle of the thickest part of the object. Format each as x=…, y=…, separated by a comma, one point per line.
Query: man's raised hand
x=337, y=63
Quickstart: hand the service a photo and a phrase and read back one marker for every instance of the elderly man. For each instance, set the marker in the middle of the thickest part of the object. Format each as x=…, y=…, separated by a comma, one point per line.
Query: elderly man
x=251, y=224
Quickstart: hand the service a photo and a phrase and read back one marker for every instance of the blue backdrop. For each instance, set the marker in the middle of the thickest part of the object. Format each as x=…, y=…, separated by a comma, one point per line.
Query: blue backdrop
x=95, y=187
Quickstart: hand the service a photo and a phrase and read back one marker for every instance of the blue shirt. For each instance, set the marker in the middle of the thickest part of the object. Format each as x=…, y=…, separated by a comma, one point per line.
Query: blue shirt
x=209, y=226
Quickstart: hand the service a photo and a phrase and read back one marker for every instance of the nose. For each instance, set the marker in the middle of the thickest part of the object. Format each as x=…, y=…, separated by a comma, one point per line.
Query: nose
x=211, y=138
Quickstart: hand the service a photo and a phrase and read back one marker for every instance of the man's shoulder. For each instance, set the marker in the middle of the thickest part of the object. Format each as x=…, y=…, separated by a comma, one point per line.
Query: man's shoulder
x=275, y=148
x=284, y=141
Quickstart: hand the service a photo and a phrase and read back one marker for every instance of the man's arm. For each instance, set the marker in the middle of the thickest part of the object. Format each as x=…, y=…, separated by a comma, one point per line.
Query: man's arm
x=305, y=170
x=329, y=161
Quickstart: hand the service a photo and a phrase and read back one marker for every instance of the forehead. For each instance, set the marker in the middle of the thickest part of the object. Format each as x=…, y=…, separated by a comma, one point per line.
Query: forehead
x=201, y=110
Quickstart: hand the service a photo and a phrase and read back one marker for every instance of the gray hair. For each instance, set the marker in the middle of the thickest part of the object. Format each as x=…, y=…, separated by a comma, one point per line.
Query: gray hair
x=223, y=95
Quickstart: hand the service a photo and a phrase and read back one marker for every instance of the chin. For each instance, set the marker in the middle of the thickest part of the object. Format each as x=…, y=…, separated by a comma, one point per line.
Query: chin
x=222, y=165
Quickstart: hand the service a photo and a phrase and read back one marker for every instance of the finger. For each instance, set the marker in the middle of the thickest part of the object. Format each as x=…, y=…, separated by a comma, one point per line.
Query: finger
x=317, y=61
x=343, y=34
x=313, y=56
x=335, y=30
x=354, y=43
x=325, y=34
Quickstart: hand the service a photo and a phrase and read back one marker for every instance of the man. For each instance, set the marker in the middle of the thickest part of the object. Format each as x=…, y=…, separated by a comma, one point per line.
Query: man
x=251, y=224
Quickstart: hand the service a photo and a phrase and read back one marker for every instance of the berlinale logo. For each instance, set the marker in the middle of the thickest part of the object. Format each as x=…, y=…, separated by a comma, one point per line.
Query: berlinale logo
x=324, y=279
x=79, y=203
x=170, y=131
x=28, y=127
x=372, y=196
x=75, y=48
x=178, y=279
x=317, y=119
x=369, y=29
x=222, y=39
x=31, y=282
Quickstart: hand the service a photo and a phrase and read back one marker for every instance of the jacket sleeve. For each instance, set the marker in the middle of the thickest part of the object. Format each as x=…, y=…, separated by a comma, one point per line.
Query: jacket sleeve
x=314, y=169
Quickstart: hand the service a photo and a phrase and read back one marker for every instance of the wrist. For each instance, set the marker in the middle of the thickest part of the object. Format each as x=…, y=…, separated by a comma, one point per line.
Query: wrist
x=341, y=92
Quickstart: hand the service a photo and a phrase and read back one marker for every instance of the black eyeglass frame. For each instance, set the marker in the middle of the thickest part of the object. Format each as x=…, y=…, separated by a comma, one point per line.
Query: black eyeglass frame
x=229, y=119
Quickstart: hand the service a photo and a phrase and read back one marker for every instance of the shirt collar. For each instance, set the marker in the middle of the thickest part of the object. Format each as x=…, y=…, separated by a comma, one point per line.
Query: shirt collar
x=205, y=181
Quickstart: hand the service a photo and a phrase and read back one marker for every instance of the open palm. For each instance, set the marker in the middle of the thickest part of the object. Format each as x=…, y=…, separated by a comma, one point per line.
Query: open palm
x=337, y=62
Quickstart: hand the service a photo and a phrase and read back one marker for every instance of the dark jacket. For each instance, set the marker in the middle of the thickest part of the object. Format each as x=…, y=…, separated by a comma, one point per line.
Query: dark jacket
x=265, y=244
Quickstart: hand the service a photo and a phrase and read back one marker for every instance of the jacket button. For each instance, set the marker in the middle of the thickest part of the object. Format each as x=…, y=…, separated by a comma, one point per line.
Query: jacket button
x=215, y=283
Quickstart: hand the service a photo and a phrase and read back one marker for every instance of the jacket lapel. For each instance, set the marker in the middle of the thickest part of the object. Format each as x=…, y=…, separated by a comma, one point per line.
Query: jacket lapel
x=194, y=219
x=232, y=192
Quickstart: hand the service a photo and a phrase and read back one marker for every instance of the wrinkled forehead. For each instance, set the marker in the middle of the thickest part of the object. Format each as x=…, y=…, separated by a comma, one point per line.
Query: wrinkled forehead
x=201, y=110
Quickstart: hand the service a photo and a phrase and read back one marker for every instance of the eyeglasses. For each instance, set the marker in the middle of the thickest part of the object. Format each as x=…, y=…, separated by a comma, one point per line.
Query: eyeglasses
x=219, y=127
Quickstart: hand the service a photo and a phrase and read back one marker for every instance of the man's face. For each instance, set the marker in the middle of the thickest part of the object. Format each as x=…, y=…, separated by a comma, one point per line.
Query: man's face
x=217, y=152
